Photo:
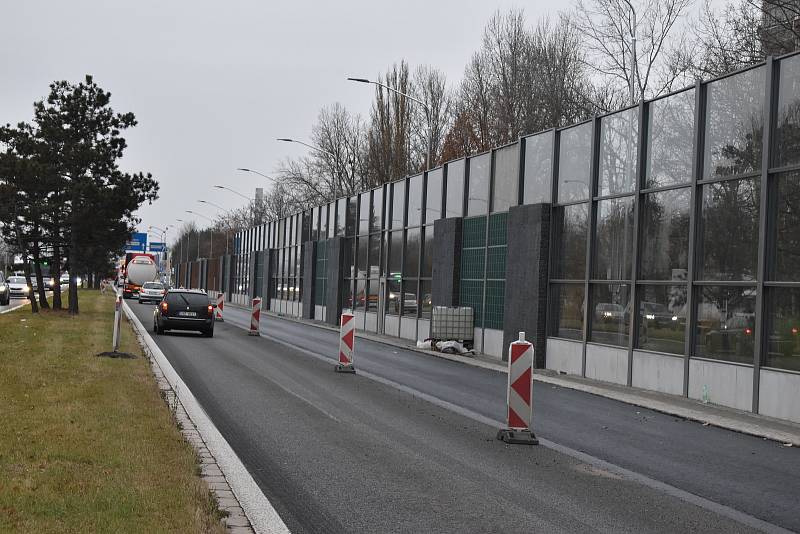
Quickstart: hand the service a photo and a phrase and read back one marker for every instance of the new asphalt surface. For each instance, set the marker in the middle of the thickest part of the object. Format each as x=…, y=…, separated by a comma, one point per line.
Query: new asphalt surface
x=344, y=453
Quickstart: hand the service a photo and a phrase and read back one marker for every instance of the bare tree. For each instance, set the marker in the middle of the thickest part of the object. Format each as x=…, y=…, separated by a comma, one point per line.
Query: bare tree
x=630, y=43
x=388, y=141
x=429, y=122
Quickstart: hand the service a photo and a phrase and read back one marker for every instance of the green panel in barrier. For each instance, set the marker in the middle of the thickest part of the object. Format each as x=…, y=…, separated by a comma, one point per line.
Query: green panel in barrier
x=474, y=232
x=495, y=300
x=472, y=296
x=496, y=263
x=472, y=264
x=497, y=229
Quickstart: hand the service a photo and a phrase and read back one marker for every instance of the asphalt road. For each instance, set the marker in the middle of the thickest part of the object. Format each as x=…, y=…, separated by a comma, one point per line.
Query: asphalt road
x=339, y=453
x=12, y=303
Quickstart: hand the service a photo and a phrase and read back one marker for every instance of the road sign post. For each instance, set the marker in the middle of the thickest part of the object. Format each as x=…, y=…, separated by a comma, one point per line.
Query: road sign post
x=347, y=334
x=519, y=397
x=255, y=318
x=117, y=322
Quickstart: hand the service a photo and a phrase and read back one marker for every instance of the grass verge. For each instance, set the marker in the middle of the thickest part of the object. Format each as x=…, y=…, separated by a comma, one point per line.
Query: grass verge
x=86, y=443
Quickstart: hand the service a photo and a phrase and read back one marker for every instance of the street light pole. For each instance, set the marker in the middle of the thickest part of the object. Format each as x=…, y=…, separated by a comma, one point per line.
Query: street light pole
x=211, y=253
x=321, y=151
x=428, y=114
x=227, y=231
x=270, y=178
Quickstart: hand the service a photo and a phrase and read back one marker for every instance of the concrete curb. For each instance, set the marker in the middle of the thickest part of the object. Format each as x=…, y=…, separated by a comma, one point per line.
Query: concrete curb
x=714, y=416
x=226, y=466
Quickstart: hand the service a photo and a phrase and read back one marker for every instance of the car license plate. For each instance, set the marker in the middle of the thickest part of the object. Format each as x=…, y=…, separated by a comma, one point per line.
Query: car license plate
x=187, y=314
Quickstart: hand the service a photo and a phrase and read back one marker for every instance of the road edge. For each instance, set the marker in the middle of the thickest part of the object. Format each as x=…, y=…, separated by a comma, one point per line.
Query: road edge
x=259, y=510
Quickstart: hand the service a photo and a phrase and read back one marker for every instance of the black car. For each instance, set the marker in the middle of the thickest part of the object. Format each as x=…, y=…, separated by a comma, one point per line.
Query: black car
x=184, y=309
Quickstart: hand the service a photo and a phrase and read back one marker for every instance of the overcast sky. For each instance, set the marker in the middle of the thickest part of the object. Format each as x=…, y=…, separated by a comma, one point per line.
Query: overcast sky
x=214, y=83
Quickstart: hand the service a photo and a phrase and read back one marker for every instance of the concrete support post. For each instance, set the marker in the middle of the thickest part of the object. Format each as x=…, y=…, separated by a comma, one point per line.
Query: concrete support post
x=309, y=278
x=337, y=252
x=526, y=277
x=446, y=268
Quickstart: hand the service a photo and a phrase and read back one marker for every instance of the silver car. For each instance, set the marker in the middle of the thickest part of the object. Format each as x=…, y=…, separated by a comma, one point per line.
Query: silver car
x=151, y=292
x=18, y=288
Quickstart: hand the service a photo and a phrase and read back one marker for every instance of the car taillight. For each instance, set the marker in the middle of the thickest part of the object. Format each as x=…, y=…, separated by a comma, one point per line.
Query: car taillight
x=210, y=309
x=164, y=308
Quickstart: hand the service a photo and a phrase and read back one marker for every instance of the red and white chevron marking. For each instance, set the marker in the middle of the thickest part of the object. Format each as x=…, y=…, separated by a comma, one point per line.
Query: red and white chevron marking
x=520, y=385
x=346, y=338
x=255, y=317
x=220, y=307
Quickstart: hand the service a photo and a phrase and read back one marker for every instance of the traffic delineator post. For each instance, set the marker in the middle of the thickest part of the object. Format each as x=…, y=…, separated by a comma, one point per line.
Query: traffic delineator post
x=519, y=397
x=255, y=318
x=220, y=307
x=347, y=334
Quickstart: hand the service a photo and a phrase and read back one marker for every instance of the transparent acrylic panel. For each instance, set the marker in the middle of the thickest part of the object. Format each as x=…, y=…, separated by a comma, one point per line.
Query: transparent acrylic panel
x=373, y=287
x=783, y=328
x=506, y=178
x=331, y=219
x=568, y=304
x=570, y=227
x=426, y=298
x=664, y=252
x=433, y=196
x=574, y=162
x=728, y=236
x=734, y=124
x=479, y=171
x=455, y=188
x=363, y=261
x=787, y=119
x=377, y=210
x=614, y=239
x=619, y=140
x=341, y=216
x=538, y=169
x=427, y=252
x=411, y=258
x=410, y=304
x=414, y=200
x=787, y=227
x=363, y=213
x=394, y=299
x=374, y=255
x=398, y=204
x=725, y=323
x=662, y=318
x=611, y=314
x=395, y=253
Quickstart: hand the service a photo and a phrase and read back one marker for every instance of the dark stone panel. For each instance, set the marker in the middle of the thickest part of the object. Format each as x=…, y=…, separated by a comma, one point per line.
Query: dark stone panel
x=446, y=267
x=309, y=275
x=526, y=278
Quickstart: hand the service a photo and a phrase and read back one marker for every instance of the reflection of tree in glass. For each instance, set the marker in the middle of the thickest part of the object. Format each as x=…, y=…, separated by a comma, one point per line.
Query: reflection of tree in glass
x=571, y=225
x=670, y=133
x=787, y=243
x=618, y=151
x=729, y=238
x=665, y=234
x=614, y=239
x=734, y=124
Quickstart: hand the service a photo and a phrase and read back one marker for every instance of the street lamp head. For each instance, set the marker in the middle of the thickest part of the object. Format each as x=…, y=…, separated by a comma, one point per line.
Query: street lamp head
x=286, y=139
x=360, y=80
x=242, y=169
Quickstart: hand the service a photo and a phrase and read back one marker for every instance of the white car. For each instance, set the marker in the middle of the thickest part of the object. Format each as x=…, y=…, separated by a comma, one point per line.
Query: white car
x=18, y=288
x=151, y=292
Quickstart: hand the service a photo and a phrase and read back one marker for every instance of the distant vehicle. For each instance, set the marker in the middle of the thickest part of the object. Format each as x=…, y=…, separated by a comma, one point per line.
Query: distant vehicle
x=64, y=279
x=18, y=288
x=139, y=268
x=659, y=314
x=151, y=292
x=4, y=292
x=184, y=309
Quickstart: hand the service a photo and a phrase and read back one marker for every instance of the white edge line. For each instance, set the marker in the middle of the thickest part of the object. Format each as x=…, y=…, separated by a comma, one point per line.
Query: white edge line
x=262, y=515
x=18, y=306
x=673, y=491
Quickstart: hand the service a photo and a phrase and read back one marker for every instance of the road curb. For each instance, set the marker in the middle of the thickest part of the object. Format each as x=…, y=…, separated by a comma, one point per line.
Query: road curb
x=698, y=414
x=257, y=508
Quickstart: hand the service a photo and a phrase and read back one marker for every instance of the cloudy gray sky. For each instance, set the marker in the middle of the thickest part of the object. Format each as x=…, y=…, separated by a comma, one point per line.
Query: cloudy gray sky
x=214, y=83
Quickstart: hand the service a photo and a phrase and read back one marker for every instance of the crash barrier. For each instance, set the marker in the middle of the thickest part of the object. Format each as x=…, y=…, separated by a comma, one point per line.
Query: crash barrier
x=519, y=397
x=347, y=334
x=220, y=307
x=255, y=317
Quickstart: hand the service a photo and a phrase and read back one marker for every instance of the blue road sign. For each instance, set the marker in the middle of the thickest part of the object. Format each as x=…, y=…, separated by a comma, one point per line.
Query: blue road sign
x=157, y=247
x=137, y=242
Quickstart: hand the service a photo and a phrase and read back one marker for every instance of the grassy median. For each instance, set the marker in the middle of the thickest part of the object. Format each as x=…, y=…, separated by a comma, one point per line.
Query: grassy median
x=86, y=443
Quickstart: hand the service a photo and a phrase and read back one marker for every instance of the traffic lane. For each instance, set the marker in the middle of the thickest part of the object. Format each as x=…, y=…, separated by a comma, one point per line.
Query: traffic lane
x=759, y=477
x=342, y=453
x=13, y=302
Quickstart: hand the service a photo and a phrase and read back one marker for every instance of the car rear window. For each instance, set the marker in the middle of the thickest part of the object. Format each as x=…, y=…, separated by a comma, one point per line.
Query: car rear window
x=16, y=280
x=187, y=299
x=150, y=285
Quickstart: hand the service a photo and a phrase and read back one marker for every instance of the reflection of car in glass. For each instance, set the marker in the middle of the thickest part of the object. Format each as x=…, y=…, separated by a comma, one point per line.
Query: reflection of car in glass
x=659, y=314
x=606, y=311
x=409, y=301
x=735, y=334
